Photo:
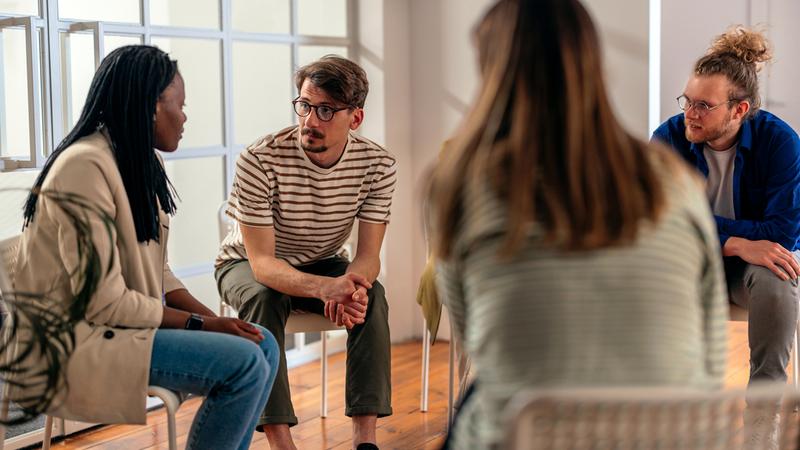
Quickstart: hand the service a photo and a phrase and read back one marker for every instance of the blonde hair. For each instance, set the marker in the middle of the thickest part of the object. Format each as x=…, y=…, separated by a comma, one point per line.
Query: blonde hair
x=737, y=54
x=543, y=133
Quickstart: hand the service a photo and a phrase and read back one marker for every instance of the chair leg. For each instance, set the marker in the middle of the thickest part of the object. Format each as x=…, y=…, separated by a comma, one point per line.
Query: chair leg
x=323, y=410
x=171, y=428
x=48, y=432
x=171, y=403
x=451, y=387
x=426, y=357
x=4, y=407
x=795, y=356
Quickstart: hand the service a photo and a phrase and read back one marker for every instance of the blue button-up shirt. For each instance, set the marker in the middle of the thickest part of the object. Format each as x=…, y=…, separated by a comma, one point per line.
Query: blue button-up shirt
x=766, y=178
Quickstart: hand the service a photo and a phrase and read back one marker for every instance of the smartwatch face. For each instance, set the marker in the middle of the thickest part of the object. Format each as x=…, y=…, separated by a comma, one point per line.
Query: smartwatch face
x=194, y=322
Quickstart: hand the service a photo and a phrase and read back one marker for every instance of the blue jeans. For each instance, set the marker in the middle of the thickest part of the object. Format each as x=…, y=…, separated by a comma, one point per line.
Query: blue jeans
x=233, y=374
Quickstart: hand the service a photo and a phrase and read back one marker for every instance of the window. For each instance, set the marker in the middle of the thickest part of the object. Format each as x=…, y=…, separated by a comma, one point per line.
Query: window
x=236, y=56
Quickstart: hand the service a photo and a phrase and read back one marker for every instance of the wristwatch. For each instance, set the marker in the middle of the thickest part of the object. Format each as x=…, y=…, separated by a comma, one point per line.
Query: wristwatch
x=194, y=322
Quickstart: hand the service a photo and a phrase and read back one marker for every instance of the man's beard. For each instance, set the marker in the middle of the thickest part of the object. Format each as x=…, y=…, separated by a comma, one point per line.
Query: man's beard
x=709, y=134
x=315, y=134
x=312, y=149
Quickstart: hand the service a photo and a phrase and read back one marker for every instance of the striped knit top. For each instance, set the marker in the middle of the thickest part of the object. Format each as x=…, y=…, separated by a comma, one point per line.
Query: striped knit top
x=311, y=209
x=650, y=313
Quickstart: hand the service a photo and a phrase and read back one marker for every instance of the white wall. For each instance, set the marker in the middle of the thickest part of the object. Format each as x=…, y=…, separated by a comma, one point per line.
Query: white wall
x=780, y=93
x=624, y=35
x=383, y=52
x=444, y=79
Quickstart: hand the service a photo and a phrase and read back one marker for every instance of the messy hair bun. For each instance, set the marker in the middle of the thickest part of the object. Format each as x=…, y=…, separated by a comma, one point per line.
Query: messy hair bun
x=737, y=55
x=747, y=45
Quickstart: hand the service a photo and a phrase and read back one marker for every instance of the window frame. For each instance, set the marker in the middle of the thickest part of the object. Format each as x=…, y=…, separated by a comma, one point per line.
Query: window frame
x=47, y=110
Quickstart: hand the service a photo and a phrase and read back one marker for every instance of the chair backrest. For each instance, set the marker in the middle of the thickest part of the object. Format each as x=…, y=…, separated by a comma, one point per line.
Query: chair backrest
x=649, y=418
x=224, y=223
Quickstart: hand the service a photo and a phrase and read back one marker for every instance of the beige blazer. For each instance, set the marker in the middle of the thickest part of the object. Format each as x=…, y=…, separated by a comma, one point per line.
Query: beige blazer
x=108, y=372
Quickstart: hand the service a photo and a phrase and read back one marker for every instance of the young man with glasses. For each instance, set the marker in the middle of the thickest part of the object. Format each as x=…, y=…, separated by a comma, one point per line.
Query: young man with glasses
x=751, y=160
x=295, y=198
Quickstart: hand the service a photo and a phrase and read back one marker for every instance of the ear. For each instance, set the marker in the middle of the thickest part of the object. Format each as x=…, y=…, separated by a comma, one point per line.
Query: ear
x=742, y=108
x=357, y=118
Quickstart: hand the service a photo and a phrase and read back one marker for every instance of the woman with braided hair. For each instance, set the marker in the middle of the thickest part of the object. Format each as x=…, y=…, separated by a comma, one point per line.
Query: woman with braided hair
x=140, y=326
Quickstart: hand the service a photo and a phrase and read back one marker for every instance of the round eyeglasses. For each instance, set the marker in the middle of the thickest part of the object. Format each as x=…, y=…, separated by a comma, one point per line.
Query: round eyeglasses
x=324, y=113
x=701, y=108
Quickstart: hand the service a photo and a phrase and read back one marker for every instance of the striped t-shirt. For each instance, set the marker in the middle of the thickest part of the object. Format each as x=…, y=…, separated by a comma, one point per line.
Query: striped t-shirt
x=650, y=313
x=311, y=209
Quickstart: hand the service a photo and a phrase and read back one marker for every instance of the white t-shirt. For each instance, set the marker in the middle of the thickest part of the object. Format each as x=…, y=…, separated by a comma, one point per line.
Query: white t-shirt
x=719, y=185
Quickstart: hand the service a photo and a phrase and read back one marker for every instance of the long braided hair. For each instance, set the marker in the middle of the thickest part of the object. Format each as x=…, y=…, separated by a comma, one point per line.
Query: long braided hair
x=122, y=99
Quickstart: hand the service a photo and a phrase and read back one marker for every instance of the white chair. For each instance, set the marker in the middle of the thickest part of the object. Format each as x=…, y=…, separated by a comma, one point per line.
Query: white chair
x=739, y=314
x=8, y=253
x=298, y=321
x=648, y=419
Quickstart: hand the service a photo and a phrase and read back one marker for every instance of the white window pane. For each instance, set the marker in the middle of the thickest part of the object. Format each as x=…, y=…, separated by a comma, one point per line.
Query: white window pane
x=261, y=16
x=204, y=288
x=23, y=7
x=262, y=89
x=14, y=188
x=14, y=106
x=310, y=53
x=185, y=13
x=112, y=42
x=105, y=10
x=77, y=52
x=200, y=66
x=193, y=236
x=322, y=17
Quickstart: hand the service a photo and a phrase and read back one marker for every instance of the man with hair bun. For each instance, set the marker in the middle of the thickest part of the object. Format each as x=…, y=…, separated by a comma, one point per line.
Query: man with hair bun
x=751, y=160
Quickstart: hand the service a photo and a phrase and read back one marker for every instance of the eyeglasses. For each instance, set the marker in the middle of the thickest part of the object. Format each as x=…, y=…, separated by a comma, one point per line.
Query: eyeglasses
x=324, y=113
x=701, y=108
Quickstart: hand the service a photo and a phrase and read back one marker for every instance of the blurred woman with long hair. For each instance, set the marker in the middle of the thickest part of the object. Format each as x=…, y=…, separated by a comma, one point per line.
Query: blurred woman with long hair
x=571, y=253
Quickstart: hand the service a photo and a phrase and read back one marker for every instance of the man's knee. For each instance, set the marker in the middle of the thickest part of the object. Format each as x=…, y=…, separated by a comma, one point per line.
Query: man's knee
x=264, y=306
x=764, y=283
x=377, y=299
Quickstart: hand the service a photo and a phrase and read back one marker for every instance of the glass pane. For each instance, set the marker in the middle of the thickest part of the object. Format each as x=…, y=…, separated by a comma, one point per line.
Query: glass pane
x=261, y=16
x=204, y=288
x=77, y=53
x=193, y=236
x=185, y=13
x=78, y=65
x=262, y=89
x=322, y=17
x=14, y=107
x=111, y=42
x=199, y=63
x=310, y=53
x=14, y=188
x=22, y=7
x=103, y=10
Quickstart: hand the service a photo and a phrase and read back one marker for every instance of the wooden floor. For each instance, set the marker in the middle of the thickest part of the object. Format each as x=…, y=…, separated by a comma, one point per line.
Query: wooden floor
x=407, y=429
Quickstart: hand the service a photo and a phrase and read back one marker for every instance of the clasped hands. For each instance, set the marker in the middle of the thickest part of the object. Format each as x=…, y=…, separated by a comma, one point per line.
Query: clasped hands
x=346, y=299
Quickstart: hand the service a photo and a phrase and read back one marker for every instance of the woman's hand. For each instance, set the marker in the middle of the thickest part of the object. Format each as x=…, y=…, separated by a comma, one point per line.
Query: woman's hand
x=231, y=325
